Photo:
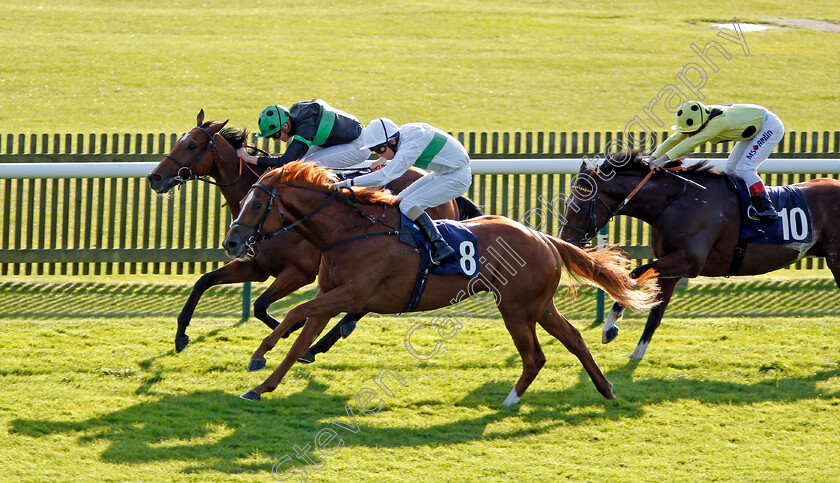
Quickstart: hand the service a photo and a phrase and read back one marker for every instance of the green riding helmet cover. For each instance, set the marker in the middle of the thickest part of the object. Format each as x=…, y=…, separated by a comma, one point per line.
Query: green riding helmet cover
x=272, y=119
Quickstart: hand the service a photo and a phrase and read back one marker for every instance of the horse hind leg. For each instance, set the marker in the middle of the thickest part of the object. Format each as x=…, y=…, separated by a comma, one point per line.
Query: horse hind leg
x=555, y=324
x=525, y=339
x=666, y=287
x=832, y=259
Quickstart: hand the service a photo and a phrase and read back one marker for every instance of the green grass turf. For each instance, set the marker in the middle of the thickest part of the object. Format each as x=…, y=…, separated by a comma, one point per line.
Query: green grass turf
x=148, y=66
x=741, y=383
x=741, y=380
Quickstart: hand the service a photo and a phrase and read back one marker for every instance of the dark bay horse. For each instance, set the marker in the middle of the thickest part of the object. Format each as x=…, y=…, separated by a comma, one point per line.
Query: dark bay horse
x=376, y=273
x=209, y=150
x=694, y=231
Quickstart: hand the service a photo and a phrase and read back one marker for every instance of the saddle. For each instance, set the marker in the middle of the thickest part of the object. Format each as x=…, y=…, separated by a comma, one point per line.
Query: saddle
x=792, y=227
x=465, y=261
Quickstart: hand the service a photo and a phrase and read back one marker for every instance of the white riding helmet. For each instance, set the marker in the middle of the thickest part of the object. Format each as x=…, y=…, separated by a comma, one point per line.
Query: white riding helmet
x=379, y=131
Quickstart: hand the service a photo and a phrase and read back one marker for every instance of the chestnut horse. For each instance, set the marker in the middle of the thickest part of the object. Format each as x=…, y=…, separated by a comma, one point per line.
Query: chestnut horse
x=694, y=231
x=208, y=150
x=299, y=197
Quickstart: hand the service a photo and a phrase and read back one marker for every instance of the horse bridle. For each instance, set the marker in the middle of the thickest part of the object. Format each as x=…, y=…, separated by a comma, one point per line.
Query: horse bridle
x=182, y=167
x=187, y=169
x=591, y=228
x=591, y=216
x=258, y=236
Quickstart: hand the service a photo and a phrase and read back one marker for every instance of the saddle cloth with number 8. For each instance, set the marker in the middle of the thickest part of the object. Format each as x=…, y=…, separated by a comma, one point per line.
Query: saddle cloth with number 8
x=458, y=236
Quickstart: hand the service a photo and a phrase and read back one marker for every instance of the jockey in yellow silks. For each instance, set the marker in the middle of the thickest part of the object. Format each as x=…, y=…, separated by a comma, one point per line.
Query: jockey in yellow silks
x=755, y=130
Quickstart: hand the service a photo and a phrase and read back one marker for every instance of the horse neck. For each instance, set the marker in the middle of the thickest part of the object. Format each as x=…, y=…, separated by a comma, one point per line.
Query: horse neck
x=649, y=201
x=234, y=193
x=234, y=187
x=336, y=222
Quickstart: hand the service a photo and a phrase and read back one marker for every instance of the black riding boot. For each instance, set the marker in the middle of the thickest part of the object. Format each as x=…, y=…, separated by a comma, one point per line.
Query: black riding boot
x=440, y=249
x=762, y=208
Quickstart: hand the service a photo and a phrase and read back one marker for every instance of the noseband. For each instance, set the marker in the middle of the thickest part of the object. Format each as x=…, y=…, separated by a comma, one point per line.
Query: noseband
x=185, y=172
x=258, y=236
x=592, y=227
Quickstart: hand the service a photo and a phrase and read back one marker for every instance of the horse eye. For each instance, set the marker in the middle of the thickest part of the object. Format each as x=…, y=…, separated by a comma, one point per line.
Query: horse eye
x=191, y=146
x=257, y=206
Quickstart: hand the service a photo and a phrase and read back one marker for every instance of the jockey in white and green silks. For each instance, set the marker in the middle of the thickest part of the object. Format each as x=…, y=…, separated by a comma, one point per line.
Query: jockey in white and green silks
x=426, y=147
x=314, y=131
x=755, y=130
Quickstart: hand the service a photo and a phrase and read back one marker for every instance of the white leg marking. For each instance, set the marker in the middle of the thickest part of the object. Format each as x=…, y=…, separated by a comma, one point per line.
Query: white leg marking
x=639, y=352
x=512, y=398
x=612, y=319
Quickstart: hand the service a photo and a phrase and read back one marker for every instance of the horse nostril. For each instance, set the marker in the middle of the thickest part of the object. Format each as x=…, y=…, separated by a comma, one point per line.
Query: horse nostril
x=154, y=177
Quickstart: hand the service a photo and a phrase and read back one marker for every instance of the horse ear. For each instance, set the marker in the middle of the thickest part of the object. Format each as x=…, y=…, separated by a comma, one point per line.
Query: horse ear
x=224, y=123
x=199, y=120
x=582, y=166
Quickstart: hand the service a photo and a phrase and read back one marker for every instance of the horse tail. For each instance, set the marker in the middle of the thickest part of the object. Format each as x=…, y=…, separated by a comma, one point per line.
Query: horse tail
x=467, y=209
x=605, y=268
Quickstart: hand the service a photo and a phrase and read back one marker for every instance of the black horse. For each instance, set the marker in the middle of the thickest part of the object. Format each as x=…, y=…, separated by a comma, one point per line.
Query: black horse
x=694, y=231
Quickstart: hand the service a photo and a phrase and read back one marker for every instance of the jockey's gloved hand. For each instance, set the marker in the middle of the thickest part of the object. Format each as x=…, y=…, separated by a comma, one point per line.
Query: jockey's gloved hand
x=659, y=162
x=343, y=184
x=246, y=156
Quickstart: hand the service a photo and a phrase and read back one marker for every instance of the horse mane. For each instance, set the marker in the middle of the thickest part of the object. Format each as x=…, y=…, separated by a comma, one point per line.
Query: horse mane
x=236, y=136
x=309, y=175
x=634, y=161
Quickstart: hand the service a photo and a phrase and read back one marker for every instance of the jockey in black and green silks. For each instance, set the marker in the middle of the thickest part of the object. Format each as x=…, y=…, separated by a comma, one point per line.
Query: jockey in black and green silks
x=314, y=131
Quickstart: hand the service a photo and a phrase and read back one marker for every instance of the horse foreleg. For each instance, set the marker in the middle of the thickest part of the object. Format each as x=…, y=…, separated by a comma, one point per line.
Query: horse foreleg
x=341, y=330
x=610, y=330
x=317, y=312
x=666, y=287
x=287, y=281
x=232, y=272
x=555, y=324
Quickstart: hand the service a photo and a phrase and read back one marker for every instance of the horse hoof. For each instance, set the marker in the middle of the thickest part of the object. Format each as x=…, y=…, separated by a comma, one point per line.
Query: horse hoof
x=181, y=342
x=251, y=395
x=256, y=365
x=307, y=358
x=609, y=335
x=512, y=398
x=347, y=329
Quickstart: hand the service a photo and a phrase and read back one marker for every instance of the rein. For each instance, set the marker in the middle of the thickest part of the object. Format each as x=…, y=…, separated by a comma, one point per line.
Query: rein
x=258, y=236
x=185, y=172
x=588, y=234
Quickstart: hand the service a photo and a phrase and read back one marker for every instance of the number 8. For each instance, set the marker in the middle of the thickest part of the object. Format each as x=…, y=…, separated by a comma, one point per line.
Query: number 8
x=468, y=264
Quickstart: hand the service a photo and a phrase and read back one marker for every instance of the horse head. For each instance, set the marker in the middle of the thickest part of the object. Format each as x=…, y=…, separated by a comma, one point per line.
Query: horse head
x=262, y=213
x=196, y=154
x=597, y=194
x=284, y=198
x=623, y=183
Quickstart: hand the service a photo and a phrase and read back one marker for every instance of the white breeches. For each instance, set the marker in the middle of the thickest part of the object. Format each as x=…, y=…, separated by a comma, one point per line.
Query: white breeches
x=340, y=156
x=435, y=189
x=746, y=156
